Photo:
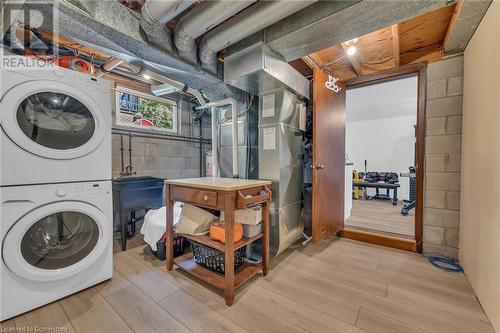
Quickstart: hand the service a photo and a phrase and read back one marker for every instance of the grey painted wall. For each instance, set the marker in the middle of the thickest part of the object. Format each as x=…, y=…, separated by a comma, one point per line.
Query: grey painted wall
x=442, y=156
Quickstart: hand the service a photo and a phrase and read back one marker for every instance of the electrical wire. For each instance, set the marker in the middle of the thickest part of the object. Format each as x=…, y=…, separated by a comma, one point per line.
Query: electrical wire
x=450, y=265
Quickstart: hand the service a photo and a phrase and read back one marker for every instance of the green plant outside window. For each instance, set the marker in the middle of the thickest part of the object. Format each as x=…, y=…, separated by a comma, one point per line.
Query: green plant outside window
x=138, y=110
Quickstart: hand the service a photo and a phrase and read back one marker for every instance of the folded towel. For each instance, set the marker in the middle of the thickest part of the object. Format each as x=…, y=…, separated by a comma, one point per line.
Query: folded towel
x=154, y=226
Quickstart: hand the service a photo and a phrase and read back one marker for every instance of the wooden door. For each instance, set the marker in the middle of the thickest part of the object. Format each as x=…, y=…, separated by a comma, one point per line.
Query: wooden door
x=329, y=116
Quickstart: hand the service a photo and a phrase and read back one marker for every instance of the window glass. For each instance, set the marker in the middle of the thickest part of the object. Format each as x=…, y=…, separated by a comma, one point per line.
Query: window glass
x=146, y=111
x=55, y=120
x=59, y=240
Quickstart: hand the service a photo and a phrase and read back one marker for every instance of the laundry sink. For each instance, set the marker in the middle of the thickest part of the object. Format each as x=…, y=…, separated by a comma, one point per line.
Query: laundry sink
x=142, y=192
x=126, y=179
x=132, y=194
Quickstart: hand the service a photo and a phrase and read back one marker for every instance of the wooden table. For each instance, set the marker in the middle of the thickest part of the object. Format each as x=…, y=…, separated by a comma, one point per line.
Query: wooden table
x=228, y=195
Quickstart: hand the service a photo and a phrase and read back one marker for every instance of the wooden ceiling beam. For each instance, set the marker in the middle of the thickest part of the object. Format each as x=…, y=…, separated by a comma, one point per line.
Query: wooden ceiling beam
x=453, y=21
x=395, y=43
x=356, y=64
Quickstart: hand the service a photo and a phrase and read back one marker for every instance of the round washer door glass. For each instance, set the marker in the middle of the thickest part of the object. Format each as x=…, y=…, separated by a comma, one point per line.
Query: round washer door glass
x=59, y=240
x=55, y=120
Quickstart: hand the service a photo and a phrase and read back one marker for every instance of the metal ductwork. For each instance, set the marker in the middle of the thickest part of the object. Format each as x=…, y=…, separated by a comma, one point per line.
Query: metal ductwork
x=201, y=19
x=154, y=16
x=257, y=70
x=256, y=18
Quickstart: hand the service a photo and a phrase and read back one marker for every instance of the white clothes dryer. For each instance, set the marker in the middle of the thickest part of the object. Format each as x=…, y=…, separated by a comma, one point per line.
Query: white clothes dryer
x=55, y=127
x=56, y=240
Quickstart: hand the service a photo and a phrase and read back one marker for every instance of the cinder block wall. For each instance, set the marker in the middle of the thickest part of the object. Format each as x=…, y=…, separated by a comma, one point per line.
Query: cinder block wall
x=166, y=158
x=442, y=156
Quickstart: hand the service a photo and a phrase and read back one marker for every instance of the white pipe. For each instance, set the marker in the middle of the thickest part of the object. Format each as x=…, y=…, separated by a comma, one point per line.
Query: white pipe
x=215, y=163
x=162, y=11
x=154, y=16
x=201, y=19
x=259, y=16
x=234, y=132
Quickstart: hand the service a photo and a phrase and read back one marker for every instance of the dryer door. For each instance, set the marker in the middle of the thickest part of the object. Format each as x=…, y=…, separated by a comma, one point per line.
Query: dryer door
x=56, y=241
x=52, y=119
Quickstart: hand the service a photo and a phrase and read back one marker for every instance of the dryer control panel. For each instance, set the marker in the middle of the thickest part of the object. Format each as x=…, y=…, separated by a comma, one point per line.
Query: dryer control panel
x=79, y=191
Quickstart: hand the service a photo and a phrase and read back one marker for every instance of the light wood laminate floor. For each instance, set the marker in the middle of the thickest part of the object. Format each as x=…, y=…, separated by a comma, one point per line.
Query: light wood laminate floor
x=381, y=216
x=335, y=286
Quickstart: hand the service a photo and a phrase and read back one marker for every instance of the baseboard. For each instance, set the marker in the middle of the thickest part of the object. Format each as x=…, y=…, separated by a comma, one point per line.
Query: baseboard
x=379, y=239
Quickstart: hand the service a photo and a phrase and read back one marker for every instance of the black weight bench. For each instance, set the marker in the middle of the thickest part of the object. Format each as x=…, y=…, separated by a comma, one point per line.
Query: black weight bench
x=377, y=186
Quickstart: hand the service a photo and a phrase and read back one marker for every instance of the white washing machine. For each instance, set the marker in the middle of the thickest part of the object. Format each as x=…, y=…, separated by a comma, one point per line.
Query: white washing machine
x=55, y=127
x=56, y=240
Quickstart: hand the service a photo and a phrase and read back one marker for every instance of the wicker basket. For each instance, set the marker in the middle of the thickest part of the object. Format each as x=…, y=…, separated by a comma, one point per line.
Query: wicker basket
x=214, y=259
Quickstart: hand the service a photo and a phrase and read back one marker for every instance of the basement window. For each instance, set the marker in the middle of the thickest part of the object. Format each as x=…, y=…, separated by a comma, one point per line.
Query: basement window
x=141, y=110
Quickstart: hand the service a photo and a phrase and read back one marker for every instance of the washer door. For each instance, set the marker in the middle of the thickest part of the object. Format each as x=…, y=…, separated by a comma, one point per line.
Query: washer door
x=56, y=241
x=52, y=119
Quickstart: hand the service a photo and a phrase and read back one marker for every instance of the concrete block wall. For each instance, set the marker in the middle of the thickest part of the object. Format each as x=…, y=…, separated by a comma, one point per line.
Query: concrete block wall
x=158, y=157
x=163, y=157
x=442, y=156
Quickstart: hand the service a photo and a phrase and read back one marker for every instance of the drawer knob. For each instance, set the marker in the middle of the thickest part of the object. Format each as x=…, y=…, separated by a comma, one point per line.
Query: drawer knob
x=205, y=197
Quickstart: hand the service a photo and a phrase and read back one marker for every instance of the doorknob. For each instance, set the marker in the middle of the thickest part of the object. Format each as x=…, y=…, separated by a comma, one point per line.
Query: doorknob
x=319, y=166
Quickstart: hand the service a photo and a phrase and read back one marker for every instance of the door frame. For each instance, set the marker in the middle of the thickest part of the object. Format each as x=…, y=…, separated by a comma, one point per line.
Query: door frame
x=420, y=71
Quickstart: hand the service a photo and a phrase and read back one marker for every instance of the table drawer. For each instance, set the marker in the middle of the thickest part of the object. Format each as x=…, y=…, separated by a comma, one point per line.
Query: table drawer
x=196, y=197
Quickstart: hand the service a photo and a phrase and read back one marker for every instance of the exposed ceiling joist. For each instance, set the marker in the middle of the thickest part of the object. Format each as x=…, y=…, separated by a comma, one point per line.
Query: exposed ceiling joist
x=453, y=22
x=471, y=14
x=395, y=43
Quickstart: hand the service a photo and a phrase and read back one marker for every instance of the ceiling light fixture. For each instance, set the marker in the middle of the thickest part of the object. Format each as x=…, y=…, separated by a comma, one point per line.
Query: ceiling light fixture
x=351, y=50
x=147, y=77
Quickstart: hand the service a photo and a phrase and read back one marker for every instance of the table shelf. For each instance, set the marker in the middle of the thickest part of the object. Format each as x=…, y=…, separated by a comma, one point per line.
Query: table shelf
x=207, y=241
x=241, y=275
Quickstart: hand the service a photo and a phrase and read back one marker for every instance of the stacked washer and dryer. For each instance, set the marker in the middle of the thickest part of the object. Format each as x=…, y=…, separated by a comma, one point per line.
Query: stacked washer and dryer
x=55, y=186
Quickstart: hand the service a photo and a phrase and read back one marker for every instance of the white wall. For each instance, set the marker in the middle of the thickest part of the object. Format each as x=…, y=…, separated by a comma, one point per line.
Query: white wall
x=380, y=128
x=479, y=249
